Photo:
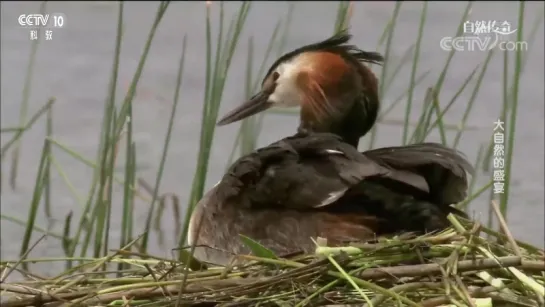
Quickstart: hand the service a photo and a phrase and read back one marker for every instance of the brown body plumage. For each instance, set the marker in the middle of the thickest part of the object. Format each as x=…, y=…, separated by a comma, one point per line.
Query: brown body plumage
x=316, y=183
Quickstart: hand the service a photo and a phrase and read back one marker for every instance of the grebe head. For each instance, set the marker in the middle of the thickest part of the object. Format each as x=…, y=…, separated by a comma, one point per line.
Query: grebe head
x=325, y=79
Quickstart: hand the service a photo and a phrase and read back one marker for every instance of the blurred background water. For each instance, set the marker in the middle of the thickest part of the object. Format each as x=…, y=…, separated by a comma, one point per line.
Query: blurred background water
x=76, y=64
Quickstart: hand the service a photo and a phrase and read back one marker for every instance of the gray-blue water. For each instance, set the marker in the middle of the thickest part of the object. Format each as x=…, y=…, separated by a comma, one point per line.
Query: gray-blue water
x=75, y=67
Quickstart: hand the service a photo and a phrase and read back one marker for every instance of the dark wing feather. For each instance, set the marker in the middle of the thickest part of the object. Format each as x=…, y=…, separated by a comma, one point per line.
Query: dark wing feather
x=444, y=169
x=299, y=172
x=321, y=173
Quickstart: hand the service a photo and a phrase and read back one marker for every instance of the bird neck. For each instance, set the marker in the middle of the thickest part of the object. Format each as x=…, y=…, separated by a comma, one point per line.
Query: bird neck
x=350, y=125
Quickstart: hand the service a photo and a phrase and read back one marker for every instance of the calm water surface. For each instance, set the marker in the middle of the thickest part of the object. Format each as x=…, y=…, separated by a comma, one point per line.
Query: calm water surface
x=75, y=67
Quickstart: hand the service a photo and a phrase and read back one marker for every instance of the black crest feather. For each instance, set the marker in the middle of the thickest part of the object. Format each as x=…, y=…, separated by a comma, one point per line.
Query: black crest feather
x=336, y=44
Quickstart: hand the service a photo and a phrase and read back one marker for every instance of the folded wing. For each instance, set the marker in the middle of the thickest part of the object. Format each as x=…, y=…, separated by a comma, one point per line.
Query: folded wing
x=406, y=188
x=444, y=169
x=298, y=172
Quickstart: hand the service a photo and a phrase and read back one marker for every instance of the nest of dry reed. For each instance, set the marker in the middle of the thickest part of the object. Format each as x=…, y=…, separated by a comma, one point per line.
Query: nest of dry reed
x=457, y=267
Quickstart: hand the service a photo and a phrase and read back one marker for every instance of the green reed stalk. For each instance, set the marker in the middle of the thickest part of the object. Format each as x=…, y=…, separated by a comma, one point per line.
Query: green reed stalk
x=66, y=241
x=248, y=128
x=510, y=146
x=440, y=124
x=459, y=32
x=35, y=202
x=439, y=84
x=389, y=40
x=100, y=214
x=428, y=109
x=91, y=164
x=159, y=175
x=452, y=101
x=505, y=94
x=503, y=113
x=10, y=129
x=280, y=50
x=43, y=110
x=102, y=209
x=27, y=126
x=215, y=82
x=35, y=228
x=423, y=121
x=490, y=212
x=116, y=120
x=404, y=60
x=343, y=18
x=251, y=127
x=130, y=163
x=385, y=111
x=122, y=116
x=473, y=97
x=47, y=175
x=25, y=102
x=478, y=162
x=287, y=26
x=412, y=85
x=127, y=220
x=102, y=151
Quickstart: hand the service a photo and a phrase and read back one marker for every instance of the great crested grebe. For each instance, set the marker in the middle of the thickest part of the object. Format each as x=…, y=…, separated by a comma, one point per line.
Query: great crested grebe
x=316, y=183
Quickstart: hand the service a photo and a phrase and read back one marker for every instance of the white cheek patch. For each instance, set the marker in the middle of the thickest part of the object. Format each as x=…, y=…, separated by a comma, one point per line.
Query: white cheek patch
x=286, y=93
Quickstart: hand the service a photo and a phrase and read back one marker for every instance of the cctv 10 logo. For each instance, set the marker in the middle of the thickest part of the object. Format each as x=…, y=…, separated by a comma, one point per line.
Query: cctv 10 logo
x=56, y=20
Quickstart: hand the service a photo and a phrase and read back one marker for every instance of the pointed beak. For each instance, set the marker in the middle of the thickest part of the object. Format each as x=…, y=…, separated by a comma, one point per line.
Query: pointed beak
x=258, y=103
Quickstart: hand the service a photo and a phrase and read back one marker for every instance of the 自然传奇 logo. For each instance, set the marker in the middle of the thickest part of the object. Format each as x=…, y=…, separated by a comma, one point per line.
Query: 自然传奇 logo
x=484, y=35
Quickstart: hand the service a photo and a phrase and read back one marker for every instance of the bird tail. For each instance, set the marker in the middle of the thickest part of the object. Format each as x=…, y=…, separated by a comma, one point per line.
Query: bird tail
x=444, y=169
x=400, y=212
